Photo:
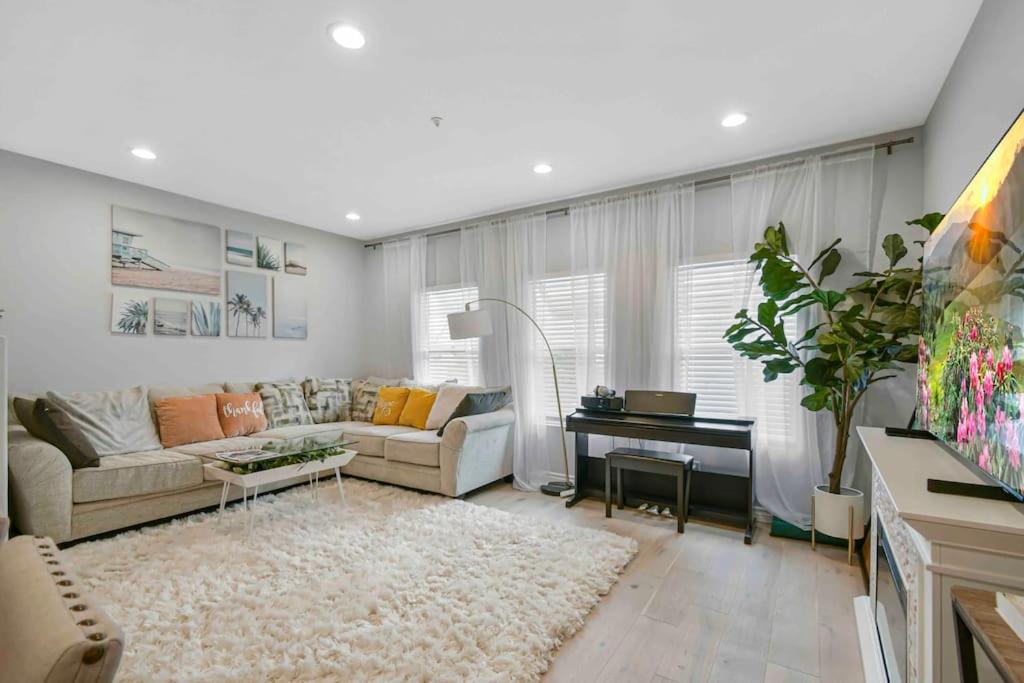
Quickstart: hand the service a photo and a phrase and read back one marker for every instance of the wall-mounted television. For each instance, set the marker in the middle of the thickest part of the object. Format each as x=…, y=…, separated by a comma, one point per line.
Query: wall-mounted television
x=970, y=377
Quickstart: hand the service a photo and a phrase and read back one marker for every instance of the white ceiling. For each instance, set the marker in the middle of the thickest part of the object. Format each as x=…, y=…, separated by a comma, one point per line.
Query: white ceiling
x=248, y=103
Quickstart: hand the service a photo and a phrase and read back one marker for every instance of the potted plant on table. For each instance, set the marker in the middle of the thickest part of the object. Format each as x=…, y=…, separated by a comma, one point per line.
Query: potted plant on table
x=860, y=336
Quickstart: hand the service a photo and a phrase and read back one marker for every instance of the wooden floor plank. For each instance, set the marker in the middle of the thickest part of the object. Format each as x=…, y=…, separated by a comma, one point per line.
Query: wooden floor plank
x=702, y=606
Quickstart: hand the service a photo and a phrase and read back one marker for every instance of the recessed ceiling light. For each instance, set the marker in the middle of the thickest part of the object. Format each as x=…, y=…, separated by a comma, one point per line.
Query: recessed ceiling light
x=735, y=119
x=542, y=168
x=352, y=216
x=347, y=36
x=144, y=153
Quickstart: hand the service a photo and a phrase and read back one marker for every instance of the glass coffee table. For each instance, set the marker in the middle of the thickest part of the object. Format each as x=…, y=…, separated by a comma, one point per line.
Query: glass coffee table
x=275, y=461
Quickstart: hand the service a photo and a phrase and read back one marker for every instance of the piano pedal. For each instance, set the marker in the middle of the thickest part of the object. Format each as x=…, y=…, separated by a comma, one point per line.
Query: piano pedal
x=642, y=507
x=653, y=510
x=666, y=512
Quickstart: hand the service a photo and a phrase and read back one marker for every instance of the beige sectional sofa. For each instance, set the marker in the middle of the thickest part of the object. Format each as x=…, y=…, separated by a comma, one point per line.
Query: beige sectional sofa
x=48, y=498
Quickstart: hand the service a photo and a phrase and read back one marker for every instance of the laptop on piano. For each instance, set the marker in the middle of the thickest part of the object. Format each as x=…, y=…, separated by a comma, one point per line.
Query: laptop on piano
x=666, y=402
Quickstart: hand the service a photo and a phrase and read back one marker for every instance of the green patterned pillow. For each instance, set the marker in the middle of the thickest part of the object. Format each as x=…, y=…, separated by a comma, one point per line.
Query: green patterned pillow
x=364, y=400
x=284, y=404
x=328, y=400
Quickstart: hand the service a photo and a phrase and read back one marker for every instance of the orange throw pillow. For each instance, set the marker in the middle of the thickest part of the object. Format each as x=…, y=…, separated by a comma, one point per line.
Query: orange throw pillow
x=417, y=408
x=390, y=402
x=241, y=414
x=187, y=419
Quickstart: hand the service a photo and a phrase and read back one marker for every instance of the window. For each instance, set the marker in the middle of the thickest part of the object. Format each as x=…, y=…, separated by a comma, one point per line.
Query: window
x=570, y=310
x=709, y=295
x=446, y=358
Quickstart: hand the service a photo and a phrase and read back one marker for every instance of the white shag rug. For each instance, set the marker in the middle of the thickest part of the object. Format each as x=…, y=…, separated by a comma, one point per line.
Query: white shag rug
x=397, y=586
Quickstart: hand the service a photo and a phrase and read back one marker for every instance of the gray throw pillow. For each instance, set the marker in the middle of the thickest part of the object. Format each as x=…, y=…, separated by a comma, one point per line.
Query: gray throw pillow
x=50, y=424
x=478, y=404
x=113, y=421
x=284, y=404
x=328, y=400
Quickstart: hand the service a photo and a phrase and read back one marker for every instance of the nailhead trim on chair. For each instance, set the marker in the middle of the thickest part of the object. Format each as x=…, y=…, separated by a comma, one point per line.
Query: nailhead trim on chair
x=93, y=654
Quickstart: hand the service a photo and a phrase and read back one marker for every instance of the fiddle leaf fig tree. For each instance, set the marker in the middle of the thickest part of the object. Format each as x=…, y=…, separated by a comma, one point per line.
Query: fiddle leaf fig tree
x=859, y=336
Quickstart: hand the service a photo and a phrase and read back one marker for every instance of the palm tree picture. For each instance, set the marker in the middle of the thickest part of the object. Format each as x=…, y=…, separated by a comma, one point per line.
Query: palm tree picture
x=246, y=304
x=206, y=318
x=269, y=253
x=129, y=314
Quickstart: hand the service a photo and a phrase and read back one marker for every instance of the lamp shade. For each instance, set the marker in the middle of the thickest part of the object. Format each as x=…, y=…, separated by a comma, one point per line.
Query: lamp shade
x=469, y=324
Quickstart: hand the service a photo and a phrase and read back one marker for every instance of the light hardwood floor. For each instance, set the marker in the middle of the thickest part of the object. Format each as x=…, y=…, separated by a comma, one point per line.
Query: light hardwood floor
x=702, y=606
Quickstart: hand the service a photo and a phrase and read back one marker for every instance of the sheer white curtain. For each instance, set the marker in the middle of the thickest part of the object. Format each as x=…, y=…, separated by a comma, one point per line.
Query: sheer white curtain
x=503, y=259
x=635, y=241
x=818, y=199
x=398, y=343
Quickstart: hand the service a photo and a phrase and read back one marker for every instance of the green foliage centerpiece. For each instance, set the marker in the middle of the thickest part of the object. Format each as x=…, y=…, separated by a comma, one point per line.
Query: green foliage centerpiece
x=860, y=334
x=293, y=452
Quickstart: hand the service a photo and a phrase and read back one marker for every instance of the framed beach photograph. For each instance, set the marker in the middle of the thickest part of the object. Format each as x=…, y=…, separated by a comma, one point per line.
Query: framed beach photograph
x=240, y=248
x=289, y=308
x=247, y=304
x=295, y=258
x=269, y=253
x=206, y=317
x=170, y=317
x=129, y=313
x=160, y=252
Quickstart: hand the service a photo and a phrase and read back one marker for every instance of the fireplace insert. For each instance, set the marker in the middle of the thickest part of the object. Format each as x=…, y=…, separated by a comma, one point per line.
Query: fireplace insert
x=890, y=610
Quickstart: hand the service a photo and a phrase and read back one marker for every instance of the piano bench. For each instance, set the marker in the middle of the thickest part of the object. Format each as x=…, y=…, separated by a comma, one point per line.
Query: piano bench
x=676, y=465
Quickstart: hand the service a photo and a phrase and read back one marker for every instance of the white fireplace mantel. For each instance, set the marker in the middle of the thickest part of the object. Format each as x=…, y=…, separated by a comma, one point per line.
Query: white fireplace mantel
x=940, y=541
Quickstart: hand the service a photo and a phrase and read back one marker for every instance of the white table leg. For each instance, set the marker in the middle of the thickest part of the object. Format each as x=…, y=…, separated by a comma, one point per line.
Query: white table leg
x=252, y=509
x=341, y=491
x=223, y=501
x=316, y=485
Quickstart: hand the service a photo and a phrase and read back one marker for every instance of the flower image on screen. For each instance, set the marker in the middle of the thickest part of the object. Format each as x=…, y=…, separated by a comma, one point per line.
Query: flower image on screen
x=971, y=357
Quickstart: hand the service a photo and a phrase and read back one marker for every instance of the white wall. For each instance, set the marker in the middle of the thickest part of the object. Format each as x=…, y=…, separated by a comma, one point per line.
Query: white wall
x=55, y=285
x=981, y=97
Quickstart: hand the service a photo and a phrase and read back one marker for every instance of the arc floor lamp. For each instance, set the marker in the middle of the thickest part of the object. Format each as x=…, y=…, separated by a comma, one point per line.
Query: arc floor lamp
x=471, y=324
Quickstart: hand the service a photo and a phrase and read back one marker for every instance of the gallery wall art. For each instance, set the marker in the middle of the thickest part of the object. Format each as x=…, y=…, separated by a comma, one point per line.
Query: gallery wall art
x=289, y=308
x=160, y=252
x=295, y=258
x=170, y=317
x=247, y=304
x=129, y=313
x=206, y=317
x=269, y=253
x=240, y=248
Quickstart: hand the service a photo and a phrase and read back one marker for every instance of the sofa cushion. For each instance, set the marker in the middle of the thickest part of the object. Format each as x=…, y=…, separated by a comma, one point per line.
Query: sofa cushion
x=241, y=414
x=284, y=404
x=158, y=393
x=364, y=399
x=136, y=474
x=328, y=400
x=369, y=439
x=479, y=404
x=417, y=408
x=390, y=403
x=448, y=398
x=113, y=421
x=416, y=448
x=300, y=431
x=187, y=419
x=59, y=430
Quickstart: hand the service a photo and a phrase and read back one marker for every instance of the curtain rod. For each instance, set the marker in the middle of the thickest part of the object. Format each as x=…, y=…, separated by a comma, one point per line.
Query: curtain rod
x=564, y=210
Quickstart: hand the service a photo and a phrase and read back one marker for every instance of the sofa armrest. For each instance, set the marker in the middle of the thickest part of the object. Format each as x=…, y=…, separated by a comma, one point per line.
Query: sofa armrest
x=476, y=450
x=40, y=481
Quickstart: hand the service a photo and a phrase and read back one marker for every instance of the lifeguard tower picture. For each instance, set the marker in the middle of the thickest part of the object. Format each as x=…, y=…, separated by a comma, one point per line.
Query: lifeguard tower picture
x=160, y=252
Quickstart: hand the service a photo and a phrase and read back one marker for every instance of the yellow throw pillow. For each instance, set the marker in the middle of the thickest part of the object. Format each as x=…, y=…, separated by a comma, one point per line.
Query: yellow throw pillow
x=417, y=408
x=390, y=402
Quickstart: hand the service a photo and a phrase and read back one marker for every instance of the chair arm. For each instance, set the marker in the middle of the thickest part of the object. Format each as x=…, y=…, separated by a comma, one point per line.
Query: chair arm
x=476, y=450
x=40, y=481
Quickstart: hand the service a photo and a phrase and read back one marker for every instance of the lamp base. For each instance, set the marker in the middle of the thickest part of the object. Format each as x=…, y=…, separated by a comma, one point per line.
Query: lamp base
x=557, y=488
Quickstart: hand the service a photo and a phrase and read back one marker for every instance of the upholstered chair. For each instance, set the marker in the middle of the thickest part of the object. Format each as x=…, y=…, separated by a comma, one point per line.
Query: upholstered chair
x=50, y=629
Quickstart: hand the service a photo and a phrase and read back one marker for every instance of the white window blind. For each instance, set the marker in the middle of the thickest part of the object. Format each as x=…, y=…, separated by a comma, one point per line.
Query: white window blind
x=709, y=295
x=570, y=310
x=446, y=358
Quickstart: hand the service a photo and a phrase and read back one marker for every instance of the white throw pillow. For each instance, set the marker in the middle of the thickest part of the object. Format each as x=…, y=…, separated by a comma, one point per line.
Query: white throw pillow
x=448, y=398
x=112, y=421
x=386, y=381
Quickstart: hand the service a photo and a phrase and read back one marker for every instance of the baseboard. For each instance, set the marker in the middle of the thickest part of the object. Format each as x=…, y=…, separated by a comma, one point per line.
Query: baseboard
x=867, y=635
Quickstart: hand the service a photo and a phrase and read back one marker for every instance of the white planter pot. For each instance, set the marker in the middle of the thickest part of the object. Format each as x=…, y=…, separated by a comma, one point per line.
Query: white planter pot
x=832, y=512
